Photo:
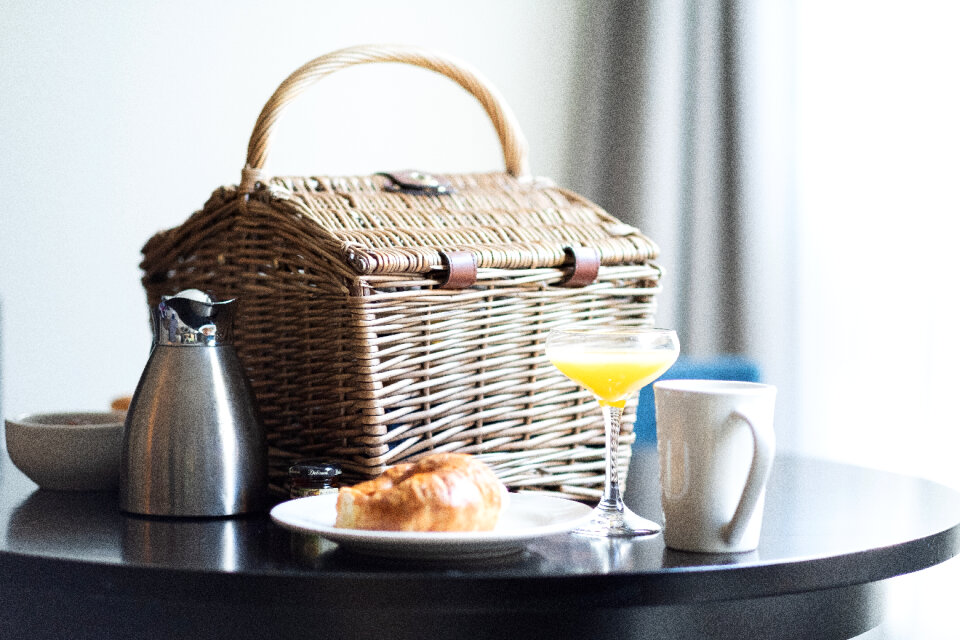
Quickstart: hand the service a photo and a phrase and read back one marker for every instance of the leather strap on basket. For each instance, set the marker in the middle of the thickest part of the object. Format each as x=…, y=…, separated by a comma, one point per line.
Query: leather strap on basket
x=460, y=269
x=582, y=266
x=512, y=141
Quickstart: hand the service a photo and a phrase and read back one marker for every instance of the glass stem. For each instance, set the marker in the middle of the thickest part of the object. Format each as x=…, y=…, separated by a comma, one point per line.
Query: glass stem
x=611, y=484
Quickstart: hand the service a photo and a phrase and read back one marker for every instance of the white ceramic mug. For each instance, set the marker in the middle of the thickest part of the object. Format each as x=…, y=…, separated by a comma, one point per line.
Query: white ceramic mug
x=716, y=445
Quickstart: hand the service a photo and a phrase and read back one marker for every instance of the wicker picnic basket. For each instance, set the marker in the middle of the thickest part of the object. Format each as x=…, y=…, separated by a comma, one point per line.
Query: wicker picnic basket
x=387, y=316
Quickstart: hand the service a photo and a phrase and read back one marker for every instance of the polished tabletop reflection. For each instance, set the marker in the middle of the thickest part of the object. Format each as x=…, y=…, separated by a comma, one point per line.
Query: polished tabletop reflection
x=830, y=533
x=814, y=509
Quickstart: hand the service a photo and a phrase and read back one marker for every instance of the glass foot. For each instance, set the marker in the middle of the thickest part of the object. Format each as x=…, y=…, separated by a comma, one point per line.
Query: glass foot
x=609, y=522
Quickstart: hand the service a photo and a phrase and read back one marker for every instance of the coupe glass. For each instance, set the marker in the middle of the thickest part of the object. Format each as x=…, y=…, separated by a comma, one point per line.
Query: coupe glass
x=614, y=364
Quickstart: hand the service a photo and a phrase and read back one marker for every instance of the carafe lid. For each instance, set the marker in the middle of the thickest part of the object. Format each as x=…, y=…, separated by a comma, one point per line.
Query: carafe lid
x=193, y=318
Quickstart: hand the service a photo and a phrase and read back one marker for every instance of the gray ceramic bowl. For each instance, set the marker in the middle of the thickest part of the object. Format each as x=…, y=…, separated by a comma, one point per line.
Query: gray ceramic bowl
x=68, y=451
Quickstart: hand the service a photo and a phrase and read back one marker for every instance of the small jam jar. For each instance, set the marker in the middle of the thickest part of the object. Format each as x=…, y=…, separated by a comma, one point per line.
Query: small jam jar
x=313, y=477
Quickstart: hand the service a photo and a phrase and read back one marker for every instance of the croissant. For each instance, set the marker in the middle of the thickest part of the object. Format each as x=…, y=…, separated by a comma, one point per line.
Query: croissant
x=442, y=492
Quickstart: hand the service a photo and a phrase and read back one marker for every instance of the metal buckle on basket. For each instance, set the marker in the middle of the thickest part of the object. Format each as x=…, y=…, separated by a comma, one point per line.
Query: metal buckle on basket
x=416, y=183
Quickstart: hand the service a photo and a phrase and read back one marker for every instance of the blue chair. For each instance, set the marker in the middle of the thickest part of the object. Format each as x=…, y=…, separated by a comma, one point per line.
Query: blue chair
x=725, y=367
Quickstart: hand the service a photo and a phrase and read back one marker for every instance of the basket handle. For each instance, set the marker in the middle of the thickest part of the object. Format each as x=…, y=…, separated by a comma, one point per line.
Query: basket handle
x=512, y=141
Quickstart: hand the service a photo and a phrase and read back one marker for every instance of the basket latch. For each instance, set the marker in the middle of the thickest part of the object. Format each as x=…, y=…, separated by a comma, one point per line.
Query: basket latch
x=416, y=182
x=459, y=269
x=582, y=266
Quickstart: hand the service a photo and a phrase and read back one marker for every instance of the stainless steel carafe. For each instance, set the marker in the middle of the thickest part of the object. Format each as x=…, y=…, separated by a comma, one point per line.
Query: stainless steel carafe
x=193, y=443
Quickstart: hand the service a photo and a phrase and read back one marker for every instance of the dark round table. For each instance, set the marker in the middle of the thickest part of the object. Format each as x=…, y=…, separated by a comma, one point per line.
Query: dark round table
x=71, y=566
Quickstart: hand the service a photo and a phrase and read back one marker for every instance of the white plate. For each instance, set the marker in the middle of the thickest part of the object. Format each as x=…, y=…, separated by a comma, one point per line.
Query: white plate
x=527, y=516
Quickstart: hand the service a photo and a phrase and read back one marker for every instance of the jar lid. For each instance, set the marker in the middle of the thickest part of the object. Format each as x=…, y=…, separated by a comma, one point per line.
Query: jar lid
x=314, y=468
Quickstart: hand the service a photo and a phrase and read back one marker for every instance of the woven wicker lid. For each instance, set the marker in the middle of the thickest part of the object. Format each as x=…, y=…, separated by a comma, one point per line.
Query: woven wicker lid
x=505, y=222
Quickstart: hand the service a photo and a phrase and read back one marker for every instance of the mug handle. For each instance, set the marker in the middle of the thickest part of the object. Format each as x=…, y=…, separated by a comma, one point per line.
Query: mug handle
x=763, y=445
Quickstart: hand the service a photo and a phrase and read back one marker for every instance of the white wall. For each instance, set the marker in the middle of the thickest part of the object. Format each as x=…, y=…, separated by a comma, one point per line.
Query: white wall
x=118, y=119
x=879, y=167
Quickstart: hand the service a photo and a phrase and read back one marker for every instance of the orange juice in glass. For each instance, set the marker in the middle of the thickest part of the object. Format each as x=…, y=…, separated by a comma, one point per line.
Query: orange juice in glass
x=613, y=364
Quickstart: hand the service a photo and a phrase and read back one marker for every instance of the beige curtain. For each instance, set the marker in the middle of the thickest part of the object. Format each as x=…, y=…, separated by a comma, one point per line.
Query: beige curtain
x=658, y=144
